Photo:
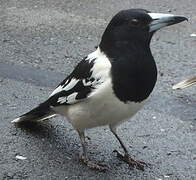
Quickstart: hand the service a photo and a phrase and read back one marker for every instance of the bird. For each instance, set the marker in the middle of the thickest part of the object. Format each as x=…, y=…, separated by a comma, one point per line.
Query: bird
x=185, y=83
x=111, y=84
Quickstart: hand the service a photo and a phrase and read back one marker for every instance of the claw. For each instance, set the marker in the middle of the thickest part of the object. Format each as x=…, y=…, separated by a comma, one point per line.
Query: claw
x=93, y=165
x=132, y=163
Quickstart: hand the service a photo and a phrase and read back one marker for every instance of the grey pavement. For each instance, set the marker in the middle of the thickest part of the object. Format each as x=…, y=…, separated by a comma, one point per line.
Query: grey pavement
x=40, y=43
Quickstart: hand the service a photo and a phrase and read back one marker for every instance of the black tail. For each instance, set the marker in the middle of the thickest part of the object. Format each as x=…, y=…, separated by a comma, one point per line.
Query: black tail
x=41, y=112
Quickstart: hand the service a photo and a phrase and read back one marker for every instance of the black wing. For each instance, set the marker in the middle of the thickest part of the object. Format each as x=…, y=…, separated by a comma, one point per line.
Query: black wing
x=77, y=86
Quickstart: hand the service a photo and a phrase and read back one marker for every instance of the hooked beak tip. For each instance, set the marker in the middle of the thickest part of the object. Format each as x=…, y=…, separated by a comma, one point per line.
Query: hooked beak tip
x=178, y=19
x=161, y=20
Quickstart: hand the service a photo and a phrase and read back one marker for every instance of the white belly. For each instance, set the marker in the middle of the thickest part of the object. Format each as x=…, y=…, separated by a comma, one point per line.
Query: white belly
x=102, y=108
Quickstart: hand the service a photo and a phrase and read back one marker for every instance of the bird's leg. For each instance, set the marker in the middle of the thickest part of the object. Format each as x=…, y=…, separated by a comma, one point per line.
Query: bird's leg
x=84, y=157
x=126, y=157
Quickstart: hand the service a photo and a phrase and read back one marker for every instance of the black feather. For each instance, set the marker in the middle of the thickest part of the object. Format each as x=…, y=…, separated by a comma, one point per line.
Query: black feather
x=82, y=72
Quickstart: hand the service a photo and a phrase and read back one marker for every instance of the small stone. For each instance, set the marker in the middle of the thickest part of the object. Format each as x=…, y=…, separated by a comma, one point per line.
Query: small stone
x=144, y=147
x=20, y=157
x=166, y=176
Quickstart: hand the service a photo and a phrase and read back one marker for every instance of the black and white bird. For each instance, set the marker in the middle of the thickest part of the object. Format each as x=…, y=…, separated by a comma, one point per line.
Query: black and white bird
x=112, y=83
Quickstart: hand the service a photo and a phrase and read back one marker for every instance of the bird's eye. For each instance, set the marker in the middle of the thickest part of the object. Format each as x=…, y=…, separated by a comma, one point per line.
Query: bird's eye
x=134, y=22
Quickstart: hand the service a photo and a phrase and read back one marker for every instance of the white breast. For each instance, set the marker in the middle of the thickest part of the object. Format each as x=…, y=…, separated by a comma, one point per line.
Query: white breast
x=103, y=108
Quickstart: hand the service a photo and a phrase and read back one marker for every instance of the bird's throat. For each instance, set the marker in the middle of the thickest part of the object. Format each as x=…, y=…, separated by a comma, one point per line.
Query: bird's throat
x=134, y=72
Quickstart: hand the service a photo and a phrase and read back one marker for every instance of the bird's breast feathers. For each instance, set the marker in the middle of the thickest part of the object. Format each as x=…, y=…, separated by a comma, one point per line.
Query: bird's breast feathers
x=102, y=108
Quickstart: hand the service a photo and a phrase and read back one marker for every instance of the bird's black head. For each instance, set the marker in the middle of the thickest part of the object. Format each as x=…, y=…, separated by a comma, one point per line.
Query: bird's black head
x=135, y=26
x=126, y=44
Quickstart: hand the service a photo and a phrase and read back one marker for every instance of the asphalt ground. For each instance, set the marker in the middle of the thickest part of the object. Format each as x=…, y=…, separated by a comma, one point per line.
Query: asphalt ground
x=40, y=43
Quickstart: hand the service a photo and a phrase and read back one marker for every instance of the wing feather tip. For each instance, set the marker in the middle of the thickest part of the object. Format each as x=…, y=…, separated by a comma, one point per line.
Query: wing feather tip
x=17, y=120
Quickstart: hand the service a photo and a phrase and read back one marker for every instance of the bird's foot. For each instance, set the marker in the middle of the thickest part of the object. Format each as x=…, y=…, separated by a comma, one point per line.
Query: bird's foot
x=93, y=165
x=132, y=162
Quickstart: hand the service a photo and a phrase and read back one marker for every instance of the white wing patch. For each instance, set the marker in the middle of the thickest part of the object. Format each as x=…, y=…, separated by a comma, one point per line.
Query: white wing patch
x=86, y=83
x=71, y=98
x=101, y=69
x=75, y=89
x=57, y=90
x=102, y=65
x=70, y=85
x=67, y=99
x=62, y=99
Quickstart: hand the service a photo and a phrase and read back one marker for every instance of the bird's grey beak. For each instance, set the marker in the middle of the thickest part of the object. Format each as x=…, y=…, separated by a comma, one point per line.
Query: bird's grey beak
x=161, y=20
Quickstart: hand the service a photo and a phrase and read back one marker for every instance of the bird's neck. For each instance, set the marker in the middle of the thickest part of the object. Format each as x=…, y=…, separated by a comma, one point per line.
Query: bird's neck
x=114, y=48
x=134, y=71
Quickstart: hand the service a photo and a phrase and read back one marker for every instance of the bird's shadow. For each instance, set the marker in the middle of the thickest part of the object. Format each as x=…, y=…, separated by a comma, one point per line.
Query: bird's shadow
x=64, y=143
x=64, y=140
x=33, y=127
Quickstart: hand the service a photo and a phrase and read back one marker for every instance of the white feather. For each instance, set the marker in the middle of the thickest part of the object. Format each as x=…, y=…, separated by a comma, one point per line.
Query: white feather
x=57, y=90
x=72, y=98
x=102, y=65
x=16, y=120
x=71, y=84
x=94, y=55
x=62, y=99
x=68, y=99
x=88, y=83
